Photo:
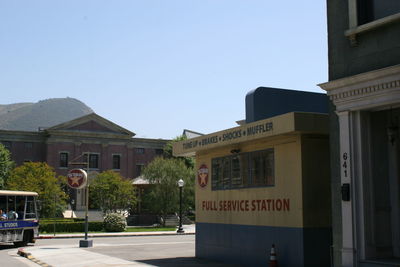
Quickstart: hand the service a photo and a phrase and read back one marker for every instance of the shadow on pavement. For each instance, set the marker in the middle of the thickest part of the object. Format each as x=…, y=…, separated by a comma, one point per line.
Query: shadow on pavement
x=185, y=261
x=7, y=246
x=4, y=246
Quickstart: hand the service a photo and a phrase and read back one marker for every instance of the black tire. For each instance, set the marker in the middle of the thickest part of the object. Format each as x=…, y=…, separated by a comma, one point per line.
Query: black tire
x=25, y=240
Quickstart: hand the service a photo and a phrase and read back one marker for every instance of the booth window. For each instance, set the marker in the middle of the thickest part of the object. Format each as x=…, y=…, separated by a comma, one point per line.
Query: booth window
x=216, y=173
x=262, y=168
x=254, y=169
x=226, y=173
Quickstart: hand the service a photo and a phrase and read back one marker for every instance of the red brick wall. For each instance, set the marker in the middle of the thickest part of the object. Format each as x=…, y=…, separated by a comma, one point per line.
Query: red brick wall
x=21, y=152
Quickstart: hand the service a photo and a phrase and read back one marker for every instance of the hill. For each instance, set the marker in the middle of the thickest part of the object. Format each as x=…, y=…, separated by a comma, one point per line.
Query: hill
x=43, y=114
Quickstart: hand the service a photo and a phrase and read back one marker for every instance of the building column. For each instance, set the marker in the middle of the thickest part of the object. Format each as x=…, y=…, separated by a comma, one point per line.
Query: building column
x=348, y=248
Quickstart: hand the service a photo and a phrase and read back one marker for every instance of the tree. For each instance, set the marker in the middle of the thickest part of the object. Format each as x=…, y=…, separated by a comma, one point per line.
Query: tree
x=189, y=161
x=111, y=192
x=163, y=196
x=41, y=178
x=6, y=165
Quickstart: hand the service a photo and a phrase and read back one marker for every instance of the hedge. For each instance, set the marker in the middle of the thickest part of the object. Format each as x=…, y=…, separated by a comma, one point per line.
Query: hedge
x=68, y=227
x=62, y=219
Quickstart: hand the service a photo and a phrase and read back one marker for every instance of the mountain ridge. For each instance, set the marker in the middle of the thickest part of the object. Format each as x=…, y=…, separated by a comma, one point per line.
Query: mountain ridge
x=43, y=114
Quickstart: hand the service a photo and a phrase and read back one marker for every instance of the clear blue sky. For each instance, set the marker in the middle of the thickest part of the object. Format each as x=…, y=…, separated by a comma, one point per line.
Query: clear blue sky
x=157, y=67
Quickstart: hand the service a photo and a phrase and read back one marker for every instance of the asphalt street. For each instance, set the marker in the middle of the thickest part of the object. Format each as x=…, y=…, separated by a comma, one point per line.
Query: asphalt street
x=163, y=250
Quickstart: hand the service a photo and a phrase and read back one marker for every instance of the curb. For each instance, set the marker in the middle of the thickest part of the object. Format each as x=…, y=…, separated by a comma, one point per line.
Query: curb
x=29, y=256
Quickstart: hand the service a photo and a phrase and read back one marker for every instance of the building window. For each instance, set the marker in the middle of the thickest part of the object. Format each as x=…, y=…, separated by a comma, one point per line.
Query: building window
x=254, y=169
x=139, y=169
x=7, y=144
x=370, y=10
x=63, y=159
x=139, y=150
x=116, y=162
x=159, y=151
x=93, y=160
x=28, y=145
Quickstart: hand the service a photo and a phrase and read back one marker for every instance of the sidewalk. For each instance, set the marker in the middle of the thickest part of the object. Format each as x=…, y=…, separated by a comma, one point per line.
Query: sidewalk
x=67, y=255
x=189, y=230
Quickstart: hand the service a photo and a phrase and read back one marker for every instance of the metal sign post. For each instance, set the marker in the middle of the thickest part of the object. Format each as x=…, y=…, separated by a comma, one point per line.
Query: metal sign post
x=78, y=179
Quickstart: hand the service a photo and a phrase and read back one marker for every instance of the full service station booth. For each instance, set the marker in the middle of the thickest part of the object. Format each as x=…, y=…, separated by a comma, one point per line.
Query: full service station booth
x=262, y=183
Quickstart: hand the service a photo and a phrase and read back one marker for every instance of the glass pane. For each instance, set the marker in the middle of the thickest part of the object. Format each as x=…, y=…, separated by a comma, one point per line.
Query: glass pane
x=20, y=207
x=216, y=174
x=262, y=167
x=63, y=159
x=94, y=161
x=269, y=166
x=11, y=208
x=3, y=207
x=237, y=180
x=116, y=162
x=226, y=173
x=30, y=208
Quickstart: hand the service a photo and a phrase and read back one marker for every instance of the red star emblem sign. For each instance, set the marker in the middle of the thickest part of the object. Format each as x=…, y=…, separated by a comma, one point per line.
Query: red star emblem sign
x=76, y=178
x=202, y=175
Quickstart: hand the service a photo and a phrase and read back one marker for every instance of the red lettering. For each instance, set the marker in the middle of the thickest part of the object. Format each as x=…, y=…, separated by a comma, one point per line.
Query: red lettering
x=286, y=204
x=263, y=205
x=253, y=205
x=247, y=205
x=278, y=204
x=234, y=204
x=241, y=207
x=269, y=204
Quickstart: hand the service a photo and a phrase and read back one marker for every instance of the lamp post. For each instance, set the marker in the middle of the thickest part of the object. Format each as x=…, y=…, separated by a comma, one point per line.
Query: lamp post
x=181, y=183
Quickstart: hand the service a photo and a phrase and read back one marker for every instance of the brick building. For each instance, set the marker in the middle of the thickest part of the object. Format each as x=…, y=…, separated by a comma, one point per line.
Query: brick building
x=108, y=146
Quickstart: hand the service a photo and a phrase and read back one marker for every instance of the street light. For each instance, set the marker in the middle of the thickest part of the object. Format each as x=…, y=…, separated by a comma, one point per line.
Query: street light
x=181, y=183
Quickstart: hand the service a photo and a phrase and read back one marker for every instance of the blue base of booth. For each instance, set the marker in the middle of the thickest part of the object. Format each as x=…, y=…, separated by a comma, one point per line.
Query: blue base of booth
x=250, y=245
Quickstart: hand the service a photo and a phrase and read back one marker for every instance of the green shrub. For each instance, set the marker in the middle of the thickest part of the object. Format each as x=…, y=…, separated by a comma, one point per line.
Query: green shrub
x=68, y=227
x=114, y=222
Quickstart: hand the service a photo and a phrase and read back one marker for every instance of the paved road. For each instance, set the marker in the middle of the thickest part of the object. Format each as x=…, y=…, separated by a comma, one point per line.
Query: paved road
x=9, y=258
x=164, y=251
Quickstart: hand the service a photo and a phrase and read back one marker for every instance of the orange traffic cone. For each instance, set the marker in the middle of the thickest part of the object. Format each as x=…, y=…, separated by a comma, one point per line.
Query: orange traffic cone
x=272, y=257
